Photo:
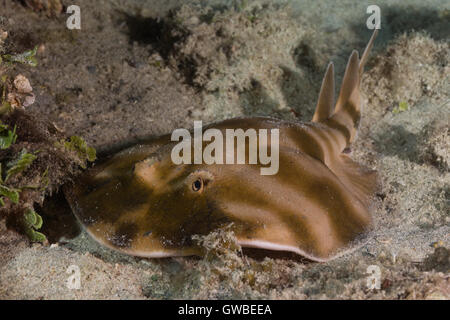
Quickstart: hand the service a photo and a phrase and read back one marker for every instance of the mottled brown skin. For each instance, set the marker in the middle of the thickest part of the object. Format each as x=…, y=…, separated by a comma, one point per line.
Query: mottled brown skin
x=317, y=205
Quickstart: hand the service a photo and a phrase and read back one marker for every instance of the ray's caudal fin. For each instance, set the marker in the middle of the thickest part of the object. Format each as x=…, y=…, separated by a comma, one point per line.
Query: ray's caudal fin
x=345, y=116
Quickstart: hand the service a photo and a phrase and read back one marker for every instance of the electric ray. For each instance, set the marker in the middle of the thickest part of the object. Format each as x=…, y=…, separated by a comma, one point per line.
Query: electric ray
x=317, y=205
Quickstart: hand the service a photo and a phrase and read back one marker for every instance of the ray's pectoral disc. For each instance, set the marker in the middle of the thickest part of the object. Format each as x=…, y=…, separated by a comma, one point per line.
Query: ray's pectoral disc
x=147, y=208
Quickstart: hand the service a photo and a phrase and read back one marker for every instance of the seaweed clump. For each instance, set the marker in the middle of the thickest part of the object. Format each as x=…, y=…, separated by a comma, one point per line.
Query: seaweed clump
x=36, y=158
x=224, y=272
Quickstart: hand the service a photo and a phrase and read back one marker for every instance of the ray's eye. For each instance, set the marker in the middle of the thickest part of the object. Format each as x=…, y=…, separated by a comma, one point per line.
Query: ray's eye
x=197, y=185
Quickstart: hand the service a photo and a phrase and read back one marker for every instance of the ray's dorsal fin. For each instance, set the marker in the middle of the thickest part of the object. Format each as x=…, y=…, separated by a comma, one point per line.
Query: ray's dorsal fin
x=352, y=75
x=325, y=104
x=347, y=113
x=350, y=82
x=366, y=52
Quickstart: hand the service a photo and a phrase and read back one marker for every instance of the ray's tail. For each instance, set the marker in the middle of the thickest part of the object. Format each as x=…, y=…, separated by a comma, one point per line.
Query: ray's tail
x=346, y=115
